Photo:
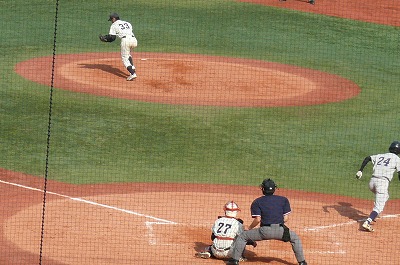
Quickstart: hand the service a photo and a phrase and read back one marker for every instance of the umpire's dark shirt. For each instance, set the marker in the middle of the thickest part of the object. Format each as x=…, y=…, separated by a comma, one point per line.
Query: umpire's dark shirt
x=271, y=208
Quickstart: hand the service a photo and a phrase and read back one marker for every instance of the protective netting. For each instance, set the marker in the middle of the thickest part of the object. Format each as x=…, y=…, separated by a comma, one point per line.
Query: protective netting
x=126, y=127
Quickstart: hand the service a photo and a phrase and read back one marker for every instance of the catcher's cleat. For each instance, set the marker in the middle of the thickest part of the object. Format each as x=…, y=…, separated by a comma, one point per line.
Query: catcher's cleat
x=312, y=2
x=203, y=255
x=303, y=262
x=243, y=259
x=367, y=226
x=131, y=77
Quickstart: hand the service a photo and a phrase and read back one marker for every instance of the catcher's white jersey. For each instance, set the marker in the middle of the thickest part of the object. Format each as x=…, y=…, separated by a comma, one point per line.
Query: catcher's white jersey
x=225, y=230
x=385, y=165
x=121, y=29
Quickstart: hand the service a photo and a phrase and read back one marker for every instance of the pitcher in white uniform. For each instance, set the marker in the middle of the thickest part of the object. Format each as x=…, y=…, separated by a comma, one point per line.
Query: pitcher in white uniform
x=384, y=166
x=123, y=30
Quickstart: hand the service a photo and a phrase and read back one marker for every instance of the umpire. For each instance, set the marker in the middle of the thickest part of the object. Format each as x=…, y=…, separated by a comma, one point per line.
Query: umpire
x=271, y=212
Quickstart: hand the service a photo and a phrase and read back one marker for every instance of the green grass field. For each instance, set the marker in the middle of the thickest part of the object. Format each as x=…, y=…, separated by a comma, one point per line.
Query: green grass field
x=96, y=139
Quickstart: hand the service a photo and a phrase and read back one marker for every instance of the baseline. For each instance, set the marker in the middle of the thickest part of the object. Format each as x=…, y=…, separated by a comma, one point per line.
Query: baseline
x=159, y=220
x=319, y=228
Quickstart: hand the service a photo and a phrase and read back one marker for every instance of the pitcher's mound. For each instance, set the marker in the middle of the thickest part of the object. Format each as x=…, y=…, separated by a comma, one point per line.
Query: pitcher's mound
x=191, y=80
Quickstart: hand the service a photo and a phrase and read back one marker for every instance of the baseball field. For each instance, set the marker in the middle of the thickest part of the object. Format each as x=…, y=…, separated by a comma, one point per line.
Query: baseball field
x=99, y=170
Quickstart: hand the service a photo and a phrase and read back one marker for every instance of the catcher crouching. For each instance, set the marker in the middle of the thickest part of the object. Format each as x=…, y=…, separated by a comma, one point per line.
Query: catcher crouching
x=225, y=229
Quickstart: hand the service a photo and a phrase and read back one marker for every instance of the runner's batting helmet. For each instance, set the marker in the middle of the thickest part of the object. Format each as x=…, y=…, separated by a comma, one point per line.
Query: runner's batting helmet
x=268, y=186
x=395, y=147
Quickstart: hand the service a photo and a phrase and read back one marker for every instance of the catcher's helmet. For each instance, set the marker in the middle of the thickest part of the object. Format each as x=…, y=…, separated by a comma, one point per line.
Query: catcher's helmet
x=395, y=147
x=231, y=208
x=268, y=186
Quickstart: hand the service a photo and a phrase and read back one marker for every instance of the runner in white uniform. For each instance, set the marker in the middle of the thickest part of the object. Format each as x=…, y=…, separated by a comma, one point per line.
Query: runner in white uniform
x=123, y=30
x=224, y=231
x=384, y=166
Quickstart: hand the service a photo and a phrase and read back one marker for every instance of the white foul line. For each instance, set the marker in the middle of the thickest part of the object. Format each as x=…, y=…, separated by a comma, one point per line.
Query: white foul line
x=318, y=228
x=92, y=203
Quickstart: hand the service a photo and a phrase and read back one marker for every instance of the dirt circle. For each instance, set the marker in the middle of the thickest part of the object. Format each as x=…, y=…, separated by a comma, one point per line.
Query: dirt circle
x=191, y=80
x=153, y=223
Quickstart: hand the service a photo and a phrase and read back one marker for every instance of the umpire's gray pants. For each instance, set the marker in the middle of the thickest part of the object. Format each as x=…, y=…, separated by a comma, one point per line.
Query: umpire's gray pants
x=275, y=232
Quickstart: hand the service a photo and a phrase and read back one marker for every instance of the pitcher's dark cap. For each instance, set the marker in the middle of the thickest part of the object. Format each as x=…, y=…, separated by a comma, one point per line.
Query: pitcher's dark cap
x=113, y=15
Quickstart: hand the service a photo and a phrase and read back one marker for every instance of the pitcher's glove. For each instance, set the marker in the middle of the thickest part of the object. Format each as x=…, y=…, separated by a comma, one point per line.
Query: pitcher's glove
x=107, y=38
x=102, y=38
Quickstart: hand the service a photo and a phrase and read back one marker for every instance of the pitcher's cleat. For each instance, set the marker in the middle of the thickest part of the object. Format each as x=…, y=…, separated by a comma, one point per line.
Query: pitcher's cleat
x=131, y=77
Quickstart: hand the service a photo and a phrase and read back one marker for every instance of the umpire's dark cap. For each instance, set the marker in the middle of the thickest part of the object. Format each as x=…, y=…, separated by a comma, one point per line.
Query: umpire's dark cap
x=113, y=15
x=268, y=186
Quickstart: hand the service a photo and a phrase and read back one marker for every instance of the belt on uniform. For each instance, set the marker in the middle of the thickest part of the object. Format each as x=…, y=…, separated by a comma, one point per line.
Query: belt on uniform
x=224, y=238
x=383, y=178
x=272, y=224
x=125, y=36
x=220, y=249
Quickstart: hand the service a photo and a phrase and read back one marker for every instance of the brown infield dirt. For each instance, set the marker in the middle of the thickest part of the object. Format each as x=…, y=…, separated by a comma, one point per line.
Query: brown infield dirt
x=153, y=223
x=191, y=80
